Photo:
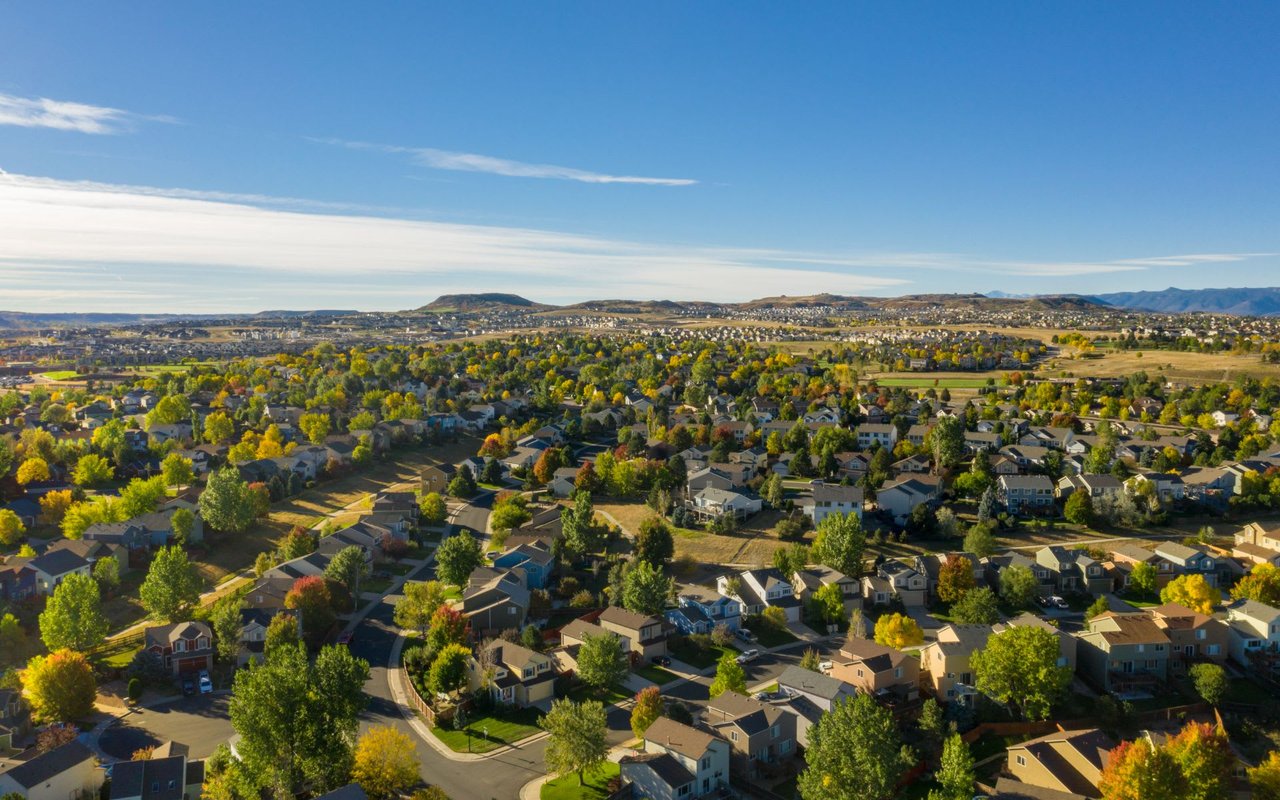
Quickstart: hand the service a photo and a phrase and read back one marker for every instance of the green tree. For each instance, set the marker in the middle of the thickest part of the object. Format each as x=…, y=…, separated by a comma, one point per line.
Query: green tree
x=1019, y=668
x=226, y=502
x=172, y=586
x=178, y=470
x=654, y=543
x=602, y=663
x=218, y=428
x=1211, y=682
x=226, y=628
x=1142, y=579
x=1018, y=585
x=811, y=660
x=1098, y=606
x=955, y=578
x=946, y=441
x=457, y=557
x=142, y=496
x=448, y=671
x=432, y=509
x=730, y=677
x=980, y=540
x=577, y=740
x=420, y=601
x=297, y=720
x=955, y=776
x=73, y=618
x=840, y=542
x=854, y=753
x=790, y=560
x=171, y=409
x=581, y=535
x=13, y=641
x=182, y=523
x=348, y=567
x=509, y=513
x=977, y=607
x=463, y=483
x=647, y=709
x=282, y=631
x=1079, y=508
x=59, y=686
x=826, y=605
x=1265, y=778
x=315, y=427
x=645, y=589
x=91, y=470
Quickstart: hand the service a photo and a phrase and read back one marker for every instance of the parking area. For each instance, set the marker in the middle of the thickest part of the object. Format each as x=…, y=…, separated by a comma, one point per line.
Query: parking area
x=200, y=722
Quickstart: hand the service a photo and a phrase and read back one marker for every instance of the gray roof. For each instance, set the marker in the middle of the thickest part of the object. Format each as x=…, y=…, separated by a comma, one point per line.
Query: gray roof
x=815, y=683
x=58, y=562
x=351, y=791
x=153, y=779
x=668, y=770
x=42, y=768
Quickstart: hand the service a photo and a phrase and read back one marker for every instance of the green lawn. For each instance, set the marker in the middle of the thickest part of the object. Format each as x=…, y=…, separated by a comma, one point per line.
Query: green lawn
x=595, y=784
x=925, y=381
x=692, y=655
x=657, y=674
x=769, y=636
x=59, y=375
x=399, y=569
x=378, y=585
x=608, y=696
x=507, y=730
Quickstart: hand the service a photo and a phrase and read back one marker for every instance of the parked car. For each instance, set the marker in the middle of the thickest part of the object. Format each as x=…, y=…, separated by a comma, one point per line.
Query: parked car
x=188, y=687
x=661, y=661
x=206, y=684
x=745, y=635
x=344, y=638
x=824, y=667
x=1054, y=601
x=748, y=655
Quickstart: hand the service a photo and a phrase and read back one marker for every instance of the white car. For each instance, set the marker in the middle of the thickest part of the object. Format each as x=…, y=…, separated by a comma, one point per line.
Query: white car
x=824, y=667
x=206, y=685
x=748, y=655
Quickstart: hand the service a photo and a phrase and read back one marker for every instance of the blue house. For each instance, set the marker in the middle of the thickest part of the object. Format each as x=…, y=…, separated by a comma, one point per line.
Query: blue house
x=27, y=509
x=532, y=557
x=702, y=612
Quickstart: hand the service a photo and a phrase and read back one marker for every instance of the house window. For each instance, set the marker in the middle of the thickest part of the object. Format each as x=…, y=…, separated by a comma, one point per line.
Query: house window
x=777, y=731
x=1211, y=650
x=1200, y=634
x=733, y=736
x=1022, y=761
x=683, y=791
x=784, y=746
x=706, y=763
x=897, y=673
x=860, y=672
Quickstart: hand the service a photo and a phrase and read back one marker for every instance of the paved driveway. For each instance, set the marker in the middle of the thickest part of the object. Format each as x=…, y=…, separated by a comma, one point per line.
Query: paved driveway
x=200, y=722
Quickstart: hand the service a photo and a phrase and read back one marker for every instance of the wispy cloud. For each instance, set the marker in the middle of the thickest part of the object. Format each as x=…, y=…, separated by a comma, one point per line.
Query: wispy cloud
x=64, y=115
x=473, y=162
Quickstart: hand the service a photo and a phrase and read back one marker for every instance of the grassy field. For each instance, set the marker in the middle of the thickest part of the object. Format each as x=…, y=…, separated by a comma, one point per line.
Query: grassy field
x=690, y=654
x=593, y=786
x=1168, y=364
x=501, y=732
x=59, y=375
x=936, y=380
x=753, y=544
x=657, y=674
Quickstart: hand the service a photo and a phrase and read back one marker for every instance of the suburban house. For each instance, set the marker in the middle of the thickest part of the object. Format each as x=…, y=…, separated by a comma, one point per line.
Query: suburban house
x=53, y=567
x=166, y=775
x=1073, y=571
x=1255, y=630
x=495, y=599
x=1093, y=485
x=1124, y=654
x=1189, y=560
x=947, y=660
x=876, y=669
x=894, y=580
x=930, y=565
x=1193, y=637
x=646, y=635
x=253, y=632
x=871, y=434
x=69, y=772
x=533, y=558
x=900, y=498
x=1165, y=487
x=832, y=498
x=759, y=734
x=1066, y=762
x=701, y=612
x=1067, y=643
x=15, y=719
x=711, y=503
x=184, y=647
x=1128, y=555
x=1025, y=494
x=823, y=691
x=811, y=579
x=678, y=762
x=520, y=677
x=760, y=588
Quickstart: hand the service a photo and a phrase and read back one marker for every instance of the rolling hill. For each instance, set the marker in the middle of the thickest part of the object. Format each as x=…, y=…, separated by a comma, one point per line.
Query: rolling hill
x=1263, y=302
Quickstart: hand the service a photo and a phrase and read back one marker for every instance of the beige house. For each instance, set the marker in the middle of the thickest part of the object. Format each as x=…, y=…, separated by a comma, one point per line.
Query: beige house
x=759, y=734
x=1124, y=653
x=1067, y=643
x=516, y=675
x=946, y=661
x=678, y=762
x=646, y=635
x=1063, y=761
x=1193, y=637
x=877, y=669
x=495, y=599
x=69, y=772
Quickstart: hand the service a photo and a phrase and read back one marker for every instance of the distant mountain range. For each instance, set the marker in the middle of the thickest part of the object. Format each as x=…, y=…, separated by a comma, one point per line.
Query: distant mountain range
x=22, y=320
x=1247, y=302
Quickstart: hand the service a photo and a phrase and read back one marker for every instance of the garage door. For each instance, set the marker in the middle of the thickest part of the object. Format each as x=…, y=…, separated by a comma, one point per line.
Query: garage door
x=191, y=665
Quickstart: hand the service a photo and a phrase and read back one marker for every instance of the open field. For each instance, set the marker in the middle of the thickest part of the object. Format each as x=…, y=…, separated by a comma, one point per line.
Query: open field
x=937, y=380
x=1166, y=364
x=59, y=375
x=753, y=544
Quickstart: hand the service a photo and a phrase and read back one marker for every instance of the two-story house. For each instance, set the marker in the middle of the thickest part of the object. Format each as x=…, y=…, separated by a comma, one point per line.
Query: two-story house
x=68, y=772
x=495, y=599
x=700, y=611
x=53, y=567
x=823, y=691
x=1124, y=653
x=1129, y=554
x=1255, y=631
x=899, y=498
x=1060, y=764
x=872, y=434
x=1189, y=561
x=533, y=558
x=759, y=734
x=930, y=565
x=760, y=588
x=811, y=579
x=184, y=647
x=646, y=635
x=15, y=718
x=894, y=580
x=515, y=675
x=1193, y=637
x=1073, y=571
x=946, y=661
x=678, y=762
x=877, y=669
x=167, y=775
x=832, y=498
x=1025, y=494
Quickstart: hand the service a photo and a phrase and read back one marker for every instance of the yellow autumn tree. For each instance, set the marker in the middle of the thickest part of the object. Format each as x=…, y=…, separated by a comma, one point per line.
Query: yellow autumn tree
x=386, y=763
x=898, y=631
x=1193, y=592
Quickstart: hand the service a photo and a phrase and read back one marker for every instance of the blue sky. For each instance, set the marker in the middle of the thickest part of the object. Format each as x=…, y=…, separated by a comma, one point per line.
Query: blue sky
x=160, y=156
